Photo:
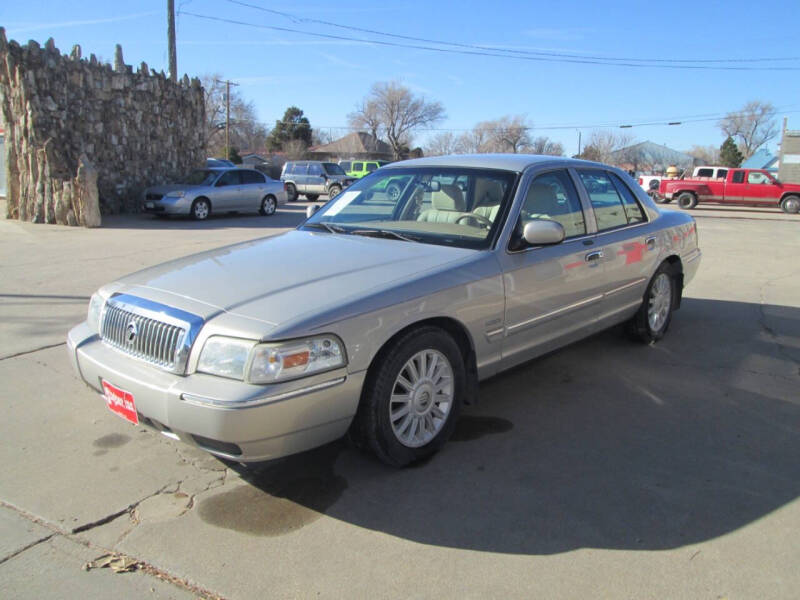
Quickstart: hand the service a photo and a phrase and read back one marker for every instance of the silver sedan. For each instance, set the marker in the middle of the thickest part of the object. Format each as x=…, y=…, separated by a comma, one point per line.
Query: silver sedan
x=470, y=266
x=218, y=190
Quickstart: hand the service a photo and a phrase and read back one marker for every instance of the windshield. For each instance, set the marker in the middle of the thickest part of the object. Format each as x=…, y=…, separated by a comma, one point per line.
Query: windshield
x=333, y=169
x=200, y=177
x=436, y=205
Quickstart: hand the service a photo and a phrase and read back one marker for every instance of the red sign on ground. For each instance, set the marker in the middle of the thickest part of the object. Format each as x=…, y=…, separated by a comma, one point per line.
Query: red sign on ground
x=120, y=402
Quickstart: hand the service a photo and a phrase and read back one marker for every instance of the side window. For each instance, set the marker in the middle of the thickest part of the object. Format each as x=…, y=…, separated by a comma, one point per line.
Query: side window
x=358, y=166
x=315, y=169
x=632, y=208
x=606, y=202
x=371, y=167
x=252, y=177
x=230, y=178
x=722, y=173
x=553, y=196
x=345, y=164
x=705, y=172
x=738, y=177
x=756, y=177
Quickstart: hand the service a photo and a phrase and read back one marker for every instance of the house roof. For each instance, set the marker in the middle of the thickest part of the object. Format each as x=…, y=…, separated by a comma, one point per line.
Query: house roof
x=652, y=153
x=763, y=159
x=358, y=142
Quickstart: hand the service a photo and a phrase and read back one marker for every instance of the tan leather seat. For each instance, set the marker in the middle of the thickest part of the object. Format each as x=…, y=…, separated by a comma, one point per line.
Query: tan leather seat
x=488, y=196
x=542, y=201
x=448, y=205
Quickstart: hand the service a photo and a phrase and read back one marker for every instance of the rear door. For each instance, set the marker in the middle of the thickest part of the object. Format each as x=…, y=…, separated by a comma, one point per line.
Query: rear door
x=253, y=190
x=316, y=179
x=736, y=186
x=628, y=247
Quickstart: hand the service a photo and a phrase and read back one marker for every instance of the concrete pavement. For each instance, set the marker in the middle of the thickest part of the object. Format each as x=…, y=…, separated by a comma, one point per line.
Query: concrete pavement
x=607, y=469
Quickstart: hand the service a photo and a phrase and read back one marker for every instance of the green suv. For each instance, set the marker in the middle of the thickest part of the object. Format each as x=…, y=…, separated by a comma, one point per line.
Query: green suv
x=359, y=168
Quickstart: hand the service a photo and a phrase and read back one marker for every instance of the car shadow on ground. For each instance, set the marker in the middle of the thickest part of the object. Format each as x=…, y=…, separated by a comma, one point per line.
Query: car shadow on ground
x=605, y=444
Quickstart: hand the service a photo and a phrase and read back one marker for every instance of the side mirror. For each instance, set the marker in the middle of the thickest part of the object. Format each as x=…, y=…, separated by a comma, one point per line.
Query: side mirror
x=311, y=209
x=541, y=232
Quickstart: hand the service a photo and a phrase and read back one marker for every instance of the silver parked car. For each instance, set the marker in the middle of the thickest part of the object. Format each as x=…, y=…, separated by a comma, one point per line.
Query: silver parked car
x=478, y=263
x=220, y=190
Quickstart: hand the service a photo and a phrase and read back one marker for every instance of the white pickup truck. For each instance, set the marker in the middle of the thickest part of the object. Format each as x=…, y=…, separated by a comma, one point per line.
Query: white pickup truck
x=650, y=183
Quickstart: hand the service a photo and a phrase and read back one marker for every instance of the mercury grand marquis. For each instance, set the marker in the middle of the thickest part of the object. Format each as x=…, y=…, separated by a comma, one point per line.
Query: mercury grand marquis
x=257, y=350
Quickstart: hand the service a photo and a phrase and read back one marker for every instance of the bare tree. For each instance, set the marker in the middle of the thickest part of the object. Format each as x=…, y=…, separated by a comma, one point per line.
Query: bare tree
x=366, y=116
x=399, y=112
x=294, y=149
x=511, y=134
x=603, y=143
x=441, y=144
x=544, y=145
x=705, y=155
x=246, y=132
x=476, y=141
x=751, y=127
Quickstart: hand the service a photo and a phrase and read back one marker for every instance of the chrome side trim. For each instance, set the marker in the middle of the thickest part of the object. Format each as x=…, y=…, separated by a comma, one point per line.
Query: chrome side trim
x=207, y=401
x=695, y=255
x=554, y=313
x=624, y=287
x=494, y=332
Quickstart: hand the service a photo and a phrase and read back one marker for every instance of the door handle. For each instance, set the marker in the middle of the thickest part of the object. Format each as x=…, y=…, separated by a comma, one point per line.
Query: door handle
x=650, y=243
x=593, y=258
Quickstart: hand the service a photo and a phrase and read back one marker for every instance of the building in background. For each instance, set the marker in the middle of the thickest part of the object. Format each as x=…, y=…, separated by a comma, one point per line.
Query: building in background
x=763, y=159
x=648, y=157
x=357, y=145
x=789, y=170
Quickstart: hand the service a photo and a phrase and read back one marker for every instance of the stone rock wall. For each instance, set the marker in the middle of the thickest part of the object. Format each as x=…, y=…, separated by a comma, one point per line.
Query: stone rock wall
x=70, y=122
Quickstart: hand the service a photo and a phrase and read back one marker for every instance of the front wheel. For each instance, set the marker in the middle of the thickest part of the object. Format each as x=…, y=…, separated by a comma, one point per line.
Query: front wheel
x=201, y=208
x=412, y=397
x=791, y=204
x=334, y=191
x=687, y=200
x=651, y=321
x=268, y=206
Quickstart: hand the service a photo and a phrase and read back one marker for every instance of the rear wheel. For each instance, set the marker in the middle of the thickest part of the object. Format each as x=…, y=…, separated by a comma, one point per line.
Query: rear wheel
x=791, y=204
x=291, y=192
x=687, y=200
x=268, y=205
x=651, y=321
x=201, y=208
x=312, y=197
x=412, y=397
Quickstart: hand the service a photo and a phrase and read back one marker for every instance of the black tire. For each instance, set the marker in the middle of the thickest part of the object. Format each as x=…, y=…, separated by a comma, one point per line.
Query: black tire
x=291, y=192
x=334, y=191
x=791, y=204
x=312, y=197
x=393, y=191
x=373, y=425
x=687, y=200
x=653, y=185
x=201, y=209
x=268, y=206
x=658, y=198
x=642, y=326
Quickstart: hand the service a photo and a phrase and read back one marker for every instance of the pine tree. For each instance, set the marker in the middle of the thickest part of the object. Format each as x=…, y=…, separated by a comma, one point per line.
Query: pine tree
x=729, y=154
x=293, y=126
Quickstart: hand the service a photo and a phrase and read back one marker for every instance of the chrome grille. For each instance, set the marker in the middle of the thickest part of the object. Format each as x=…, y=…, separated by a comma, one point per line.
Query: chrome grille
x=155, y=333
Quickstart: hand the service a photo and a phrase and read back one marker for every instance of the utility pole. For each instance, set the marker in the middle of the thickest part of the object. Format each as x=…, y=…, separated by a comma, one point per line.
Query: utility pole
x=579, y=142
x=173, y=57
x=228, y=85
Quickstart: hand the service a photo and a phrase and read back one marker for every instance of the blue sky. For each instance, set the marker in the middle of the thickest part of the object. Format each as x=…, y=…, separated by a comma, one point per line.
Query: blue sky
x=327, y=77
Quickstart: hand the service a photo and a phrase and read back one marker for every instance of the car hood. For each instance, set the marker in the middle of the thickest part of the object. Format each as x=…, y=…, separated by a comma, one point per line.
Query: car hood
x=290, y=276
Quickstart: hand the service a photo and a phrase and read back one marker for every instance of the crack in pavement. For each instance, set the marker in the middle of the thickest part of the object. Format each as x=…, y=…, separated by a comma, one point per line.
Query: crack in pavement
x=24, y=352
x=27, y=547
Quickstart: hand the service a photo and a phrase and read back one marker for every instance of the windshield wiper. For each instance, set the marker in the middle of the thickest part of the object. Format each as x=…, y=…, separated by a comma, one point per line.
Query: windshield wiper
x=326, y=226
x=384, y=233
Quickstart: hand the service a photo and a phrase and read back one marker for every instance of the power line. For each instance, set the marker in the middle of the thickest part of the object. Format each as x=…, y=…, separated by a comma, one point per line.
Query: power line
x=482, y=53
x=299, y=20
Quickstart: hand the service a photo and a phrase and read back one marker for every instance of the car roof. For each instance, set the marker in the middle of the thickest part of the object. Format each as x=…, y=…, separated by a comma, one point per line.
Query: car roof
x=507, y=162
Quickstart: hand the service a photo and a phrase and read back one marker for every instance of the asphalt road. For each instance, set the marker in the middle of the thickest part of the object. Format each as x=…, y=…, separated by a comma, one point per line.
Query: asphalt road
x=607, y=469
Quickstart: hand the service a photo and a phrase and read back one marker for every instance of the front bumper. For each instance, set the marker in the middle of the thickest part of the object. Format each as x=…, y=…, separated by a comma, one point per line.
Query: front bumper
x=168, y=206
x=228, y=418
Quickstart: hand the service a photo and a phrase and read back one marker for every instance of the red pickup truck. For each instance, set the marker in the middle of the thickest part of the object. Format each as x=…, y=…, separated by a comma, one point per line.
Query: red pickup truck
x=739, y=186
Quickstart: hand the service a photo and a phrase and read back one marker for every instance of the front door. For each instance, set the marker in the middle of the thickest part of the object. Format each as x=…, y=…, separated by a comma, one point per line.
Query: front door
x=552, y=292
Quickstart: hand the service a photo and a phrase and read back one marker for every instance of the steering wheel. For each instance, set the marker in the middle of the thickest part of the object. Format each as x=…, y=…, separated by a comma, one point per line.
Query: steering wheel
x=472, y=216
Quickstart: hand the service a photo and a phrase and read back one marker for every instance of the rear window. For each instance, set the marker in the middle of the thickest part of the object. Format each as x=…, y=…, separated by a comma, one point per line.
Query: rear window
x=357, y=166
x=345, y=164
x=705, y=172
x=333, y=169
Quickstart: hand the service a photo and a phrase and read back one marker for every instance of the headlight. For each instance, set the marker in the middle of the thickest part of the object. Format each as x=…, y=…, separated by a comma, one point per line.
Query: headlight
x=95, y=312
x=270, y=362
x=298, y=358
x=175, y=194
x=224, y=356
